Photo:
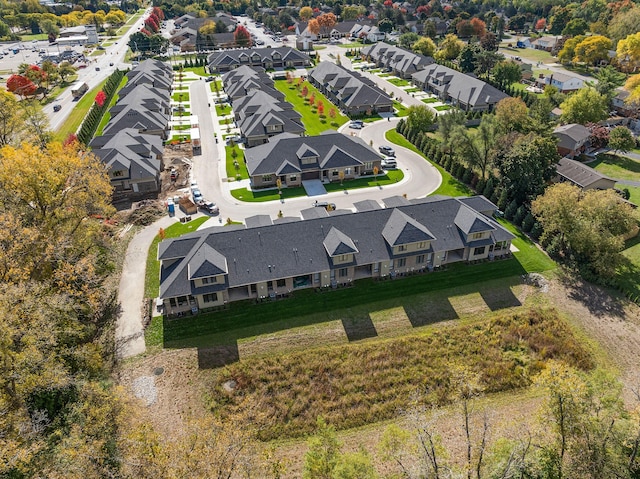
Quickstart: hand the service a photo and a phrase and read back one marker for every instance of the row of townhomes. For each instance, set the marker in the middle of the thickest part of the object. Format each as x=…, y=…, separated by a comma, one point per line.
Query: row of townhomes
x=328, y=157
x=132, y=142
x=402, y=63
x=350, y=91
x=464, y=91
x=260, y=110
x=267, y=58
x=268, y=259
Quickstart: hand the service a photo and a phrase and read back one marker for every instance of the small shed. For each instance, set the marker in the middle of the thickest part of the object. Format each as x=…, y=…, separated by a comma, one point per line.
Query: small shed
x=187, y=206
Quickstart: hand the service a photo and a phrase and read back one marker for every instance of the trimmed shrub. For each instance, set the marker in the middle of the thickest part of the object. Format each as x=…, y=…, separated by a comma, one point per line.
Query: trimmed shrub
x=528, y=222
x=467, y=176
x=511, y=209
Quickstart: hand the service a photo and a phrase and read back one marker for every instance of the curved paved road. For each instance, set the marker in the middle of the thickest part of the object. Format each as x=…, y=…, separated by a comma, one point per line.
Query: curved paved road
x=420, y=179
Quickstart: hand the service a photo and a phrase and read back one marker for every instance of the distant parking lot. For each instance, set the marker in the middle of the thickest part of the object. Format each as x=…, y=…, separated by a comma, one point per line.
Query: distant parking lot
x=29, y=52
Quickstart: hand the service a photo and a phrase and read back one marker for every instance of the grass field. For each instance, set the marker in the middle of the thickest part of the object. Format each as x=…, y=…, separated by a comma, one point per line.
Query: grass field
x=398, y=82
x=223, y=110
x=243, y=194
x=442, y=107
x=531, y=54
x=357, y=384
x=450, y=186
x=629, y=274
x=200, y=71
x=231, y=170
x=616, y=166
x=430, y=100
x=352, y=45
x=212, y=85
x=401, y=110
x=313, y=123
x=79, y=112
x=634, y=190
x=180, y=96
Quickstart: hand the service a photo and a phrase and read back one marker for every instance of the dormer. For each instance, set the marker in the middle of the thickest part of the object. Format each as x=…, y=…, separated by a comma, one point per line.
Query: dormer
x=256, y=58
x=472, y=225
x=244, y=58
x=405, y=235
x=276, y=55
x=307, y=155
x=339, y=247
x=207, y=266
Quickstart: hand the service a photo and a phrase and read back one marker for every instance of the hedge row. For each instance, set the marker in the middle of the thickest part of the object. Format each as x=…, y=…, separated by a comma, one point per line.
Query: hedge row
x=94, y=117
x=491, y=187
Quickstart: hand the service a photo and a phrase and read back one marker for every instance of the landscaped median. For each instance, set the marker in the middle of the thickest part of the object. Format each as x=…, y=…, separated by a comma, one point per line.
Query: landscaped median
x=243, y=194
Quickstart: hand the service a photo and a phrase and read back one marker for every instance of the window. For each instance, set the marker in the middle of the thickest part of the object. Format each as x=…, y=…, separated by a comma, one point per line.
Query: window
x=293, y=178
x=208, y=280
x=420, y=259
x=347, y=171
x=267, y=178
x=334, y=173
x=308, y=161
x=254, y=288
x=402, y=262
x=479, y=250
x=281, y=283
x=368, y=165
x=118, y=173
x=402, y=247
x=422, y=245
x=476, y=235
x=343, y=258
x=343, y=272
x=376, y=267
x=210, y=298
x=316, y=277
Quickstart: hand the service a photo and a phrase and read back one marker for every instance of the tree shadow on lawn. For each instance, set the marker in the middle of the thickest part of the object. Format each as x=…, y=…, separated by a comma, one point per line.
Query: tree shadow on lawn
x=599, y=300
x=438, y=310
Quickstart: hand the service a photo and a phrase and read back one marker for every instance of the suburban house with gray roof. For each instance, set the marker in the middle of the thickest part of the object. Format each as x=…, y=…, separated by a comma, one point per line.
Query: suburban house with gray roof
x=259, y=109
x=132, y=141
x=401, y=62
x=133, y=160
x=267, y=58
x=573, y=139
x=215, y=266
x=464, y=91
x=329, y=157
x=350, y=91
x=583, y=176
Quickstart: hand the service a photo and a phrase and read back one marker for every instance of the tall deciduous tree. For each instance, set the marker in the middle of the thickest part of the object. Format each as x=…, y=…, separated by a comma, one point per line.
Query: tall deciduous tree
x=506, y=72
x=585, y=106
x=632, y=85
x=10, y=118
x=621, y=139
x=512, y=114
x=526, y=165
x=586, y=227
x=420, y=118
x=478, y=146
x=425, y=45
x=242, y=36
x=628, y=51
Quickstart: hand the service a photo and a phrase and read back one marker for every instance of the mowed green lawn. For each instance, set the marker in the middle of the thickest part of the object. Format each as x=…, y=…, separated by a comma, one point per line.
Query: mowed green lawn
x=314, y=124
x=243, y=194
x=617, y=166
x=450, y=186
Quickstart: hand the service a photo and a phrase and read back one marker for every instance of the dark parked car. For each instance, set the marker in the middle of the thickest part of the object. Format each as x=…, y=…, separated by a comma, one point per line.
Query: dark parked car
x=387, y=150
x=57, y=107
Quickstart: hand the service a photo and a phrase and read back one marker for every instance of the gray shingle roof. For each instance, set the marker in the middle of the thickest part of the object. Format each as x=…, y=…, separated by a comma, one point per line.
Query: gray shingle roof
x=206, y=262
x=570, y=134
x=470, y=221
x=289, y=249
x=335, y=150
x=402, y=229
x=232, y=57
x=337, y=243
x=578, y=173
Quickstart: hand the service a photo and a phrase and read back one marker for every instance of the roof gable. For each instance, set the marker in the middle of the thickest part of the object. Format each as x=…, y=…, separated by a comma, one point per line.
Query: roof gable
x=206, y=262
x=337, y=243
x=401, y=229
